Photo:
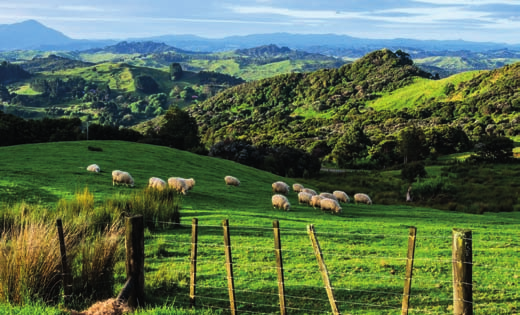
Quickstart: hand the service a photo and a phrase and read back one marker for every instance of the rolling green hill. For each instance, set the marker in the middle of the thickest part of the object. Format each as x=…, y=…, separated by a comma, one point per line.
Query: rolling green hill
x=363, y=242
x=419, y=92
x=361, y=109
x=48, y=172
x=106, y=92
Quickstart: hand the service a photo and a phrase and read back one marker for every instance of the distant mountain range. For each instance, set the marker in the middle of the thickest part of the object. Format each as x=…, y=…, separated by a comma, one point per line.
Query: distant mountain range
x=34, y=35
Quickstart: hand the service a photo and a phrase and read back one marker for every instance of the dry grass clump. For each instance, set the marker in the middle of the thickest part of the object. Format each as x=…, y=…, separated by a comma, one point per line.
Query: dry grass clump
x=30, y=262
x=83, y=202
x=98, y=259
x=108, y=307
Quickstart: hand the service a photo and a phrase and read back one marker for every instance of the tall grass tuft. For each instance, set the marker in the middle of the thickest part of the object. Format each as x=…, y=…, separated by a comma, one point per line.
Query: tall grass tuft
x=83, y=202
x=98, y=258
x=30, y=262
x=160, y=208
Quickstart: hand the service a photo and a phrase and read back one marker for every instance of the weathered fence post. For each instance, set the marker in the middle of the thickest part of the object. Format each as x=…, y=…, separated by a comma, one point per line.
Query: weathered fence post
x=279, y=266
x=409, y=270
x=323, y=269
x=229, y=268
x=462, y=264
x=67, y=275
x=133, y=291
x=193, y=268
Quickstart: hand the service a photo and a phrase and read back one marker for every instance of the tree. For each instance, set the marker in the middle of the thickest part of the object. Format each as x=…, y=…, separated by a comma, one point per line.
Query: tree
x=5, y=96
x=351, y=146
x=412, y=144
x=180, y=130
x=146, y=84
x=494, y=149
x=175, y=71
x=448, y=139
x=413, y=170
x=158, y=100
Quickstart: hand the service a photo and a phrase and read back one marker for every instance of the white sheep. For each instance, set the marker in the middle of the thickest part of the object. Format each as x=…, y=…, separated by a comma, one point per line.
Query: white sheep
x=304, y=198
x=297, y=187
x=328, y=195
x=330, y=204
x=190, y=182
x=315, y=201
x=156, y=183
x=280, y=202
x=179, y=184
x=232, y=181
x=362, y=198
x=93, y=168
x=341, y=196
x=121, y=177
x=310, y=191
x=280, y=188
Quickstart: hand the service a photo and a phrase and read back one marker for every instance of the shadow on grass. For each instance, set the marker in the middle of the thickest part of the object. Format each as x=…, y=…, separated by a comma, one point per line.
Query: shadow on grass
x=31, y=194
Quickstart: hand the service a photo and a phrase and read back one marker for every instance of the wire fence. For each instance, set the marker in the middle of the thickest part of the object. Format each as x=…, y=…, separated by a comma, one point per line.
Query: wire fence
x=367, y=271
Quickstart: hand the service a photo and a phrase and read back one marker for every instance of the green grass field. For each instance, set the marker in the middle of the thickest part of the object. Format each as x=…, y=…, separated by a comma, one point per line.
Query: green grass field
x=419, y=91
x=364, y=247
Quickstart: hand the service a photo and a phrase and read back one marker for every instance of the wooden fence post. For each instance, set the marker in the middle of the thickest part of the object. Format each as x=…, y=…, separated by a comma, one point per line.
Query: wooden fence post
x=193, y=268
x=229, y=268
x=279, y=266
x=323, y=269
x=409, y=270
x=134, y=244
x=66, y=274
x=462, y=263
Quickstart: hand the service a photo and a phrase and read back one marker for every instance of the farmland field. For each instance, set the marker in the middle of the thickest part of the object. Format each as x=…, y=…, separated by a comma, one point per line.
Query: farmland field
x=364, y=247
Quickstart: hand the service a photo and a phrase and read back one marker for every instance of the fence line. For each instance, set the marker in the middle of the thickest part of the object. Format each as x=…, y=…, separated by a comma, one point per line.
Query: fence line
x=262, y=265
x=246, y=258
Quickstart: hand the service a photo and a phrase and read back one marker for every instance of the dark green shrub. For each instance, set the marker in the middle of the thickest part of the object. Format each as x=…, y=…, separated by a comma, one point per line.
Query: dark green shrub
x=430, y=188
x=412, y=171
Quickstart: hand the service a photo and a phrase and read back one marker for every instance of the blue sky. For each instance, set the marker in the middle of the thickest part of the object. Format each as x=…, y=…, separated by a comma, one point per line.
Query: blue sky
x=471, y=20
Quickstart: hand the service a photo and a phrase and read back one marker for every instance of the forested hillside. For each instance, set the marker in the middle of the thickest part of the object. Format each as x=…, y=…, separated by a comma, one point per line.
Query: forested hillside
x=326, y=113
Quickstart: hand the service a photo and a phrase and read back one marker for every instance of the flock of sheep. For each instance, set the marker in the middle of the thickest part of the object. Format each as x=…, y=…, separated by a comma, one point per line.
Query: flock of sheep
x=181, y=185
x=325, y=201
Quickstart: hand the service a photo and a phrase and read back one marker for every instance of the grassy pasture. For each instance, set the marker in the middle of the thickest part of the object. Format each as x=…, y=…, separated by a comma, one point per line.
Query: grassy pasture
x=419, y=91
x=364, y=247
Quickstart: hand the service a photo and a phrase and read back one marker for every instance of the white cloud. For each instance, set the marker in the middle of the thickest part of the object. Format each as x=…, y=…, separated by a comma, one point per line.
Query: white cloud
x=409, y=15
x=468, y=2
x=80, y=8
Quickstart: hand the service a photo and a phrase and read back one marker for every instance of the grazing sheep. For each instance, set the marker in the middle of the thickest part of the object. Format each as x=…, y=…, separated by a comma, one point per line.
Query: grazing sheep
x=328, y=195
x=280, y=202
x=304, y=198
x=156, y=183
x=315, y=201
x=120, y=177
x=297, y=187
x=341, y=196
x=179, y=184
x=232, y=181
x=280, y=188
x=309, y=191
x=362, y=198
x=190, y=182
x=93, y=168
x=330, y=204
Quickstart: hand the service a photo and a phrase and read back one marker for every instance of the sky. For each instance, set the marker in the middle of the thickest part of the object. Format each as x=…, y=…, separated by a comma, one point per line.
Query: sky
x=470, y=20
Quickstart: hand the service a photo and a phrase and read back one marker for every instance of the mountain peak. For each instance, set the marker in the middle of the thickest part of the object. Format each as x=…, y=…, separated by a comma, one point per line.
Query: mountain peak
x=30, y=34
